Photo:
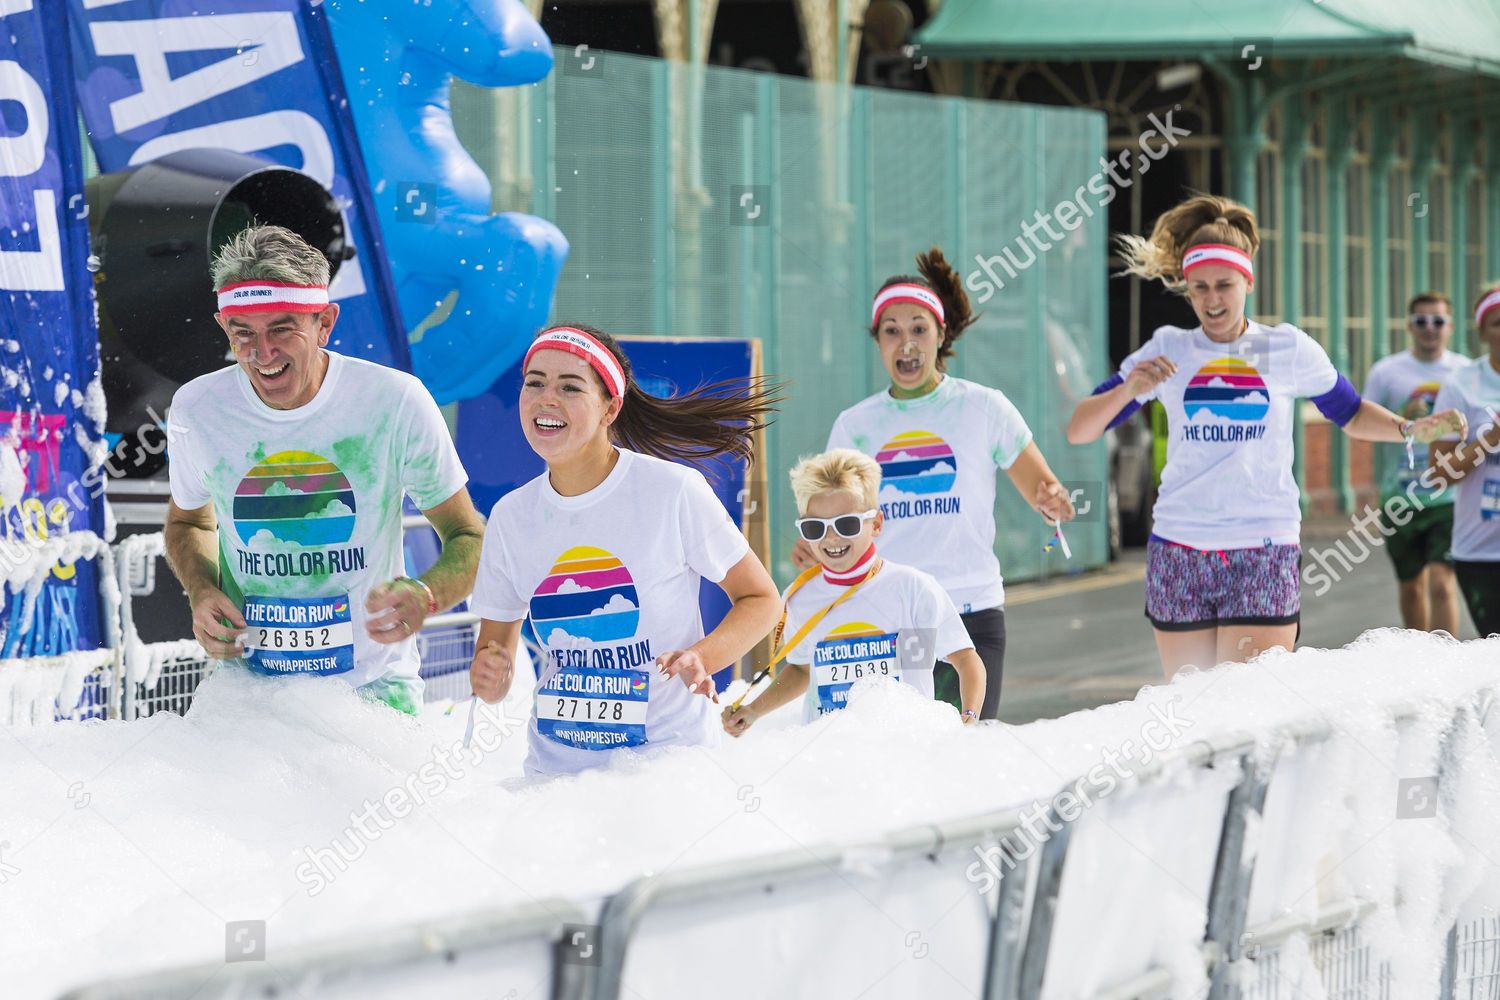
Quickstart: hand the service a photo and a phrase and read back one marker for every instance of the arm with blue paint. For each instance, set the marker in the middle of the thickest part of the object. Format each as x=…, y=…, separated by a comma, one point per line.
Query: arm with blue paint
x=1115, y=399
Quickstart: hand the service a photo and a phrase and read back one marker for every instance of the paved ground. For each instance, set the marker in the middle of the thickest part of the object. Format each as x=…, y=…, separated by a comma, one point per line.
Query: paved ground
x=1084, y=641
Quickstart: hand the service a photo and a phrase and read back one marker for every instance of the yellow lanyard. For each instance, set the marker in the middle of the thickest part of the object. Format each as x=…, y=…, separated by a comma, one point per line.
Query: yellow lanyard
x=780, y=652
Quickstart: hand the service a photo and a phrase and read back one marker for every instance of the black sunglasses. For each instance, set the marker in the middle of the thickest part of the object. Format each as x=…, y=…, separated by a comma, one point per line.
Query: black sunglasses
x=1423, y=320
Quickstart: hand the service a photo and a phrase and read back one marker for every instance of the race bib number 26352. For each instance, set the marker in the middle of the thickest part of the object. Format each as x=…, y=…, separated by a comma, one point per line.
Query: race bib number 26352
x=299, y=635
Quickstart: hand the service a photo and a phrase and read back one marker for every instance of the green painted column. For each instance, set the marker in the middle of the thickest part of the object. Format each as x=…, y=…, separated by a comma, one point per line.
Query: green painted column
x=1340, y=149
x=1244, y=133
x=1492, y=211
x=1461, y=168
x=1382, y=153
x=1418, y=201
x=1293, y=148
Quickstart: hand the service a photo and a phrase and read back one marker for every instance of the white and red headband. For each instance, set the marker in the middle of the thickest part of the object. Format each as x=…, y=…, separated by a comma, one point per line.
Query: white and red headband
x=243, y=297
x=582, y=345
x=1487, y=304
x=1218, y=253
x=915, y=294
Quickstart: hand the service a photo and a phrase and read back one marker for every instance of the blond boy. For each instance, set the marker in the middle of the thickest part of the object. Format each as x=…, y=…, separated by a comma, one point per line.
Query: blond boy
x=897, y=622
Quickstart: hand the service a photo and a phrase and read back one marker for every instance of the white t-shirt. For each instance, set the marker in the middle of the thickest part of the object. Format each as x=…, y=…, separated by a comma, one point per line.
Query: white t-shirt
x=1475, y=391
x=1228, y=481
x=1408, y=387
x=308, y=502
x=897, y=625
x=610, y=581
x=938, y=456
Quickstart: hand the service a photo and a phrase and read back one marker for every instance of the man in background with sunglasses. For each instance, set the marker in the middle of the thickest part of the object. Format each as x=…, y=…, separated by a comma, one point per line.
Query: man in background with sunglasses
x=1407, y=383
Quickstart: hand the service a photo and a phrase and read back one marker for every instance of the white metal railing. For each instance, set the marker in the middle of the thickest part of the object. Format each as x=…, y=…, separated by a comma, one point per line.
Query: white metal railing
x=1013, y=942
x=131, y=679
x=1003, y=945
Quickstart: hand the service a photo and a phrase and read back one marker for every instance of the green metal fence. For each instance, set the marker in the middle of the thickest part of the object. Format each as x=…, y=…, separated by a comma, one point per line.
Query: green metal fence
x=717, y=202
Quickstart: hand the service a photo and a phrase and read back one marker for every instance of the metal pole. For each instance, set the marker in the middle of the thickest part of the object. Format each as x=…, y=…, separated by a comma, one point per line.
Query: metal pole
x=1340, y=132
x=1233, y=870
x=1293, y=148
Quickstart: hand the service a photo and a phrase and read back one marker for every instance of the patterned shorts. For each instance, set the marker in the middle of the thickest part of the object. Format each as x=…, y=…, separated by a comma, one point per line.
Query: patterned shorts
x=1189, y=588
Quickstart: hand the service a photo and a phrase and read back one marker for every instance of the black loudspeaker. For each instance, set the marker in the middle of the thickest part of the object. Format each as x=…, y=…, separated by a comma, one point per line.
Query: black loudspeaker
x=154, y=231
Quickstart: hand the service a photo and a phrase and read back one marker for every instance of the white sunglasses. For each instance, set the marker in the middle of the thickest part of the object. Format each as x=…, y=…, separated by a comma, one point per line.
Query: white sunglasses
x=845, y=525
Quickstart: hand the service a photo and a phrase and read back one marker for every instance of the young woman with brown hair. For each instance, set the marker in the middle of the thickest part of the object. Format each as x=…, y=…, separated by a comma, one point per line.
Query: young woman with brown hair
x=1223, y=560
x=940, y=441
x=605, y=550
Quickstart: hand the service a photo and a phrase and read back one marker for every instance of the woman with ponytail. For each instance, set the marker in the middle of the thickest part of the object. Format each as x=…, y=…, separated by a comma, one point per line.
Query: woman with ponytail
x=605, y=550
x=1222, y=563
x=940, y=441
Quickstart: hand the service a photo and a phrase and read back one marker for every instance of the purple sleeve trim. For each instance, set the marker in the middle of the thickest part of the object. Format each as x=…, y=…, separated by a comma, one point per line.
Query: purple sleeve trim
x=1130, y=408
x=1340, y=403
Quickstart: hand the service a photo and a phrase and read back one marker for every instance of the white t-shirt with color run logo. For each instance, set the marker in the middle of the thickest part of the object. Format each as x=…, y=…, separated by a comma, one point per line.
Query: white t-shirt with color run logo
x=939, y=455
x=1408, y=386
x=1228, y=481
x=897, y=625
x=610, y=581
x=308, y=502
x=1475, y=391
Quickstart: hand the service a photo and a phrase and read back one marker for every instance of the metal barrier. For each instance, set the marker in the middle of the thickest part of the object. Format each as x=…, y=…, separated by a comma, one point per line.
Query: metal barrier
x=684, y=902
x=1004, y=945
x=522, y=949
x=33, y=689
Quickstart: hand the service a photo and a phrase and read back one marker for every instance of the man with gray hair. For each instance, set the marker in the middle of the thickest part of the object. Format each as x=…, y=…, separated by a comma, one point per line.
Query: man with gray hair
x=287, y=471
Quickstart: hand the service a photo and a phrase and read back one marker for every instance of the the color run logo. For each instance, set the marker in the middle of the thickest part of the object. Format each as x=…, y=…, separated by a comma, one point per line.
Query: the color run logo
x=1227, y=389
x=917, y=470
x=587, y=600
x=290, y=512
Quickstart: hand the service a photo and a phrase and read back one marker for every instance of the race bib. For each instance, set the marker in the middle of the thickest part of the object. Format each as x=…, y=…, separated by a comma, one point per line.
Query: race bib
x=299, y=635
x=594, y=709
x=840, y=661
x=1489, y=501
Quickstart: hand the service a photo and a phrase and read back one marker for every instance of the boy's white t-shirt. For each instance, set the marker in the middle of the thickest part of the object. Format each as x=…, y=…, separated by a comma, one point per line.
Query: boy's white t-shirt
x=897, y=625
x=610, y=581
x=938, y=456
x=1408, y=387
x=1228, y=481
x=1475, y=391
x=308, y=502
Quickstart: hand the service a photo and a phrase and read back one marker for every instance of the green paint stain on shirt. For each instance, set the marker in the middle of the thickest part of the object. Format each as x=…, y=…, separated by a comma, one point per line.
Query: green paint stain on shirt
x=397, y=692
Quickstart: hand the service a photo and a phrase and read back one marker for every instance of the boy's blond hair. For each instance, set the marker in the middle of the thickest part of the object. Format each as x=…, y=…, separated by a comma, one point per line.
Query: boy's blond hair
x=842, y=469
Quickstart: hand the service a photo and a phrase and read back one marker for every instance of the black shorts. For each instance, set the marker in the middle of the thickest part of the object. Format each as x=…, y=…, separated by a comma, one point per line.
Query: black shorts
x=987, y=631
x=1480, y=583
x=1426, y=538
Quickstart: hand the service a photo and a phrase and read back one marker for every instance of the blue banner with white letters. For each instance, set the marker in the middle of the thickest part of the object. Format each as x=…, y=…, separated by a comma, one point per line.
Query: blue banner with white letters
x=51, y=406
x=254, y=76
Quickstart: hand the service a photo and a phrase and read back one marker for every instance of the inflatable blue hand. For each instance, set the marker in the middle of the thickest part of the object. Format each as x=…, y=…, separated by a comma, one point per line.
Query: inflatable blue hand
x=473, y=287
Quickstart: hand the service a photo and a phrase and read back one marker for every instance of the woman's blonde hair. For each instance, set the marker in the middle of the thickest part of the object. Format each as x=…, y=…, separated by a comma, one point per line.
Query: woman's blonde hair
x=842, y=469
x=1204, y=218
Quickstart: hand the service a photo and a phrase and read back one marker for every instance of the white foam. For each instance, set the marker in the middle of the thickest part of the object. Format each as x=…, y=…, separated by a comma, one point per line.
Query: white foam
x=194, y=821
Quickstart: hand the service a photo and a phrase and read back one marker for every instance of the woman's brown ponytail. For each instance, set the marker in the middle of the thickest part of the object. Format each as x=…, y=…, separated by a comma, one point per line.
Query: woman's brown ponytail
x=717, y=419
x=940, y=277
